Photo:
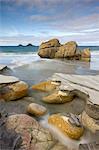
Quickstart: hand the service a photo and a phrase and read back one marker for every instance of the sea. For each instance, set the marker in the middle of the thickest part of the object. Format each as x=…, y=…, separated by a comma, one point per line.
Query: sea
x=14, y=56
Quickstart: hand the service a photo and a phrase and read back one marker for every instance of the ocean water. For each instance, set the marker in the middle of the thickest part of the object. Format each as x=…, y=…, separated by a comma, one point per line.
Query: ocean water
x=18, y=55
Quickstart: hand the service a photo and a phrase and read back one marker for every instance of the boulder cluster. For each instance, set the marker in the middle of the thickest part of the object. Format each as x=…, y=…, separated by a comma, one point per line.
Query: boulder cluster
x=25, y=132
x=69, y=50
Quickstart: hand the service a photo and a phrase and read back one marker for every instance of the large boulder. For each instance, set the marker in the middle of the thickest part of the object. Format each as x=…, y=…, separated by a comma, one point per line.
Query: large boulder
x=48, y=49
x=14, y=91
x=68, y=124
x=50, y=43
x=67, y=50
x=34, y=136
x=86, y=54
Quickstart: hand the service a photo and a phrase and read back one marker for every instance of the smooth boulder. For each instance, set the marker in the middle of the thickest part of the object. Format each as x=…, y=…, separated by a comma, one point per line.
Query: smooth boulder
x=58, y=97
x=36, y=109
x=86, y=54
x=68, y=125
x=14, y=91
x=33, y=135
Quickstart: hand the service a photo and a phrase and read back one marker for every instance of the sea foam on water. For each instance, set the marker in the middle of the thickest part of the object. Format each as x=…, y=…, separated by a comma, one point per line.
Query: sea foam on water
x=71, y=144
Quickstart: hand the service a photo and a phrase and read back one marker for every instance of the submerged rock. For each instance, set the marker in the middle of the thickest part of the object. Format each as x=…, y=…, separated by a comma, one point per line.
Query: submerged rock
x=34, y=136
x=14, y=91
x=36, y=109
x=59, y=97
x=46, y=86
x=86, y=54
x=72, y=129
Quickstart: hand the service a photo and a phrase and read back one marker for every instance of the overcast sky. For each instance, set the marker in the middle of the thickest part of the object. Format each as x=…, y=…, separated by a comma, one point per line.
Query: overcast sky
x=34, y=21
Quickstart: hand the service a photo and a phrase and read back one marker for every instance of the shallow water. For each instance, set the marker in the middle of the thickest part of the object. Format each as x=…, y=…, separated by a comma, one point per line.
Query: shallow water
x=39, y=71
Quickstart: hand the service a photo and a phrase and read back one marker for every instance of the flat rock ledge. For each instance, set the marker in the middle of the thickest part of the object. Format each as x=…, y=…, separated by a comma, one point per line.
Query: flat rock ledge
x=8, y=79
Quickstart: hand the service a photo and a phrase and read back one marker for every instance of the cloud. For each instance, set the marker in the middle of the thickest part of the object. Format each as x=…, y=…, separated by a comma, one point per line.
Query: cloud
x=64, y=19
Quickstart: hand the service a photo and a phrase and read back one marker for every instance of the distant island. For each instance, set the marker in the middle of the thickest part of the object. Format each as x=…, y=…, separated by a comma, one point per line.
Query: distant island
x=27, y=45
x=20, y=45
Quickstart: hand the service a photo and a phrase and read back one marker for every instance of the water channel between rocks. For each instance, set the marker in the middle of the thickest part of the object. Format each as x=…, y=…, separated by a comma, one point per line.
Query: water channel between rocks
x=40, y=71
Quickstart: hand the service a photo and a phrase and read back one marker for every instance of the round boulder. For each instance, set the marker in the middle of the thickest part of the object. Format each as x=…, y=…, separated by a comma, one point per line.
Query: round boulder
x=36, y=109
x=33, y=135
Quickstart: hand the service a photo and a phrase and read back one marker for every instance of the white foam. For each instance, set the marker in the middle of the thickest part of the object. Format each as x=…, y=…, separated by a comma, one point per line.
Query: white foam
x=87, y=137
x=18, y=59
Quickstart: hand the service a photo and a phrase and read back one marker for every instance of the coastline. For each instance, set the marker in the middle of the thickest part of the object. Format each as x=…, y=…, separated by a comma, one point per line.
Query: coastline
x=39, y=70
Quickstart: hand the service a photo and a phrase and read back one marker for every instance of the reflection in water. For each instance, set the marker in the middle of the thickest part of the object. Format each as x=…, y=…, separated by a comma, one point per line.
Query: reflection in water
x=94, y=64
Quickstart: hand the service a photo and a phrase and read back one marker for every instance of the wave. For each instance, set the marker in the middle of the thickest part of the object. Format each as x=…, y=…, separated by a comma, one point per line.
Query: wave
x=18, y=59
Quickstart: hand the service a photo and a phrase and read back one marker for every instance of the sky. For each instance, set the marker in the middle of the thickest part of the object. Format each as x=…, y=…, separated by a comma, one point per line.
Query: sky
x=36, y=21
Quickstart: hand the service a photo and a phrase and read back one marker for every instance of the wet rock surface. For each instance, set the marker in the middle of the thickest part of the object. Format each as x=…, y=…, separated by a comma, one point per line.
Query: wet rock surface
x=9, y=139
x=46, y=86
x=68, y=125
x=34, y=136
x=89, y=123
x=11, y=88
x=93, y=111
x=36, y=109
x=58, y=97
x=89, y=146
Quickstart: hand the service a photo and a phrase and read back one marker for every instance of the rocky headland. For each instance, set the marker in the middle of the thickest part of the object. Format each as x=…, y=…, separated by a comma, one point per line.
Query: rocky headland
x=54, y=49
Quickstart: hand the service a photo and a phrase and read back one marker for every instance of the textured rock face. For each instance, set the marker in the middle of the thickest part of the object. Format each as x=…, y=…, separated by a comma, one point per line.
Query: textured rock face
x=36, y=109
x=14, y=91
x=58, y=98
x=69, y=50
x=33, y=135
x=69, y=126
x=46, y=86
x=92, y=111
x=50, y=43
x=85, y=54
x=89, y=122
x=48, y=52
x=48, y=49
